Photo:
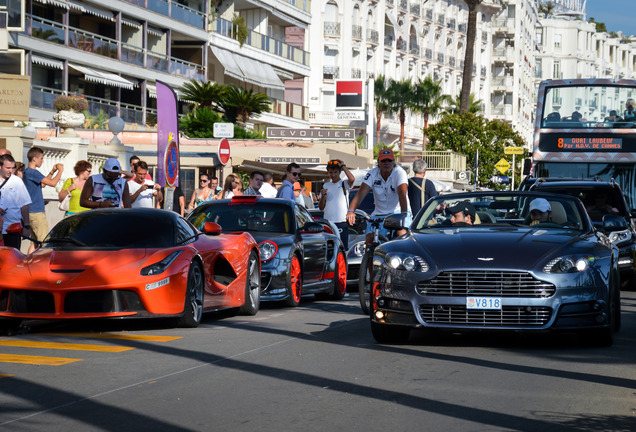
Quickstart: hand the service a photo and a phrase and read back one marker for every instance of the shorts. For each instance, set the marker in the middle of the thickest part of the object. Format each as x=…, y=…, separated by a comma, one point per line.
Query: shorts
x=39, y=226
x=384, y=231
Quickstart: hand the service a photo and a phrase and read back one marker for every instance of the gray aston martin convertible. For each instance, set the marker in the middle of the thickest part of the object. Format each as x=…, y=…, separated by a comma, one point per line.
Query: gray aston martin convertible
x=494, y=261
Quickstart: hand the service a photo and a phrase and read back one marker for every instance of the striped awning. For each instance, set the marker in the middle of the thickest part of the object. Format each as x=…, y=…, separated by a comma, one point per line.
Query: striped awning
x=131, y=23
x=48, y=62
x=59, y=3
x=93, y=10
x=104, y=77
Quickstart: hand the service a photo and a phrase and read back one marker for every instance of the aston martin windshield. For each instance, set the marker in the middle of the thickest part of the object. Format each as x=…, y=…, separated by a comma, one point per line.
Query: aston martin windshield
x=549, y=211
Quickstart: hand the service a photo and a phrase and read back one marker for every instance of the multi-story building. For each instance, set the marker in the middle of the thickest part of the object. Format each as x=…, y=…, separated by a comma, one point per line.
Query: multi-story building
x=513, y=60
x=399, y=39
x=113, y=52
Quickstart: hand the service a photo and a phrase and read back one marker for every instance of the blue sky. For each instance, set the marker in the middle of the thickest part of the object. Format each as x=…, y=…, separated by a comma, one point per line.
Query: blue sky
x=616, y=14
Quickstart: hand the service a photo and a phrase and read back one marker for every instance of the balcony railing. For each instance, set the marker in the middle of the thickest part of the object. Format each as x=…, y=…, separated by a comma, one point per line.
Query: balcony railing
x=289, y=109
x=451, y=24
x=262, y=42
x=451, y=62
x=330, y=72
x=373, y=36
x=441, y=19
x=401, y=45
x=415, y=9
x=44, y=97
x=356, y=73
x=388, y=41
x=429, y=54
x=414, y=50
x=440, y=58
x=429, y=14
x=437, y=160
x=175, y=10
x=331, y=28
x=356, y=32
x=92, y=42
x=404, y=5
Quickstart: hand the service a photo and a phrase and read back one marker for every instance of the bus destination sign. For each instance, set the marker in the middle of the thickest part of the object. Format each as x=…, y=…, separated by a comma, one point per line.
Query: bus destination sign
x=590, y=143
x=565, y=142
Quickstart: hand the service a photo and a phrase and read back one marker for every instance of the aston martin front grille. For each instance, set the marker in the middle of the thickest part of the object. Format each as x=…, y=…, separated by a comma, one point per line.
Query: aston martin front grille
x=486, y=283
x=508, y=316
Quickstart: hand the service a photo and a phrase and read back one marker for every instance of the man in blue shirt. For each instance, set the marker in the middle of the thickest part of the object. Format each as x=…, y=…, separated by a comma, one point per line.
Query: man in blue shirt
x=292, y=174
x=34, y=181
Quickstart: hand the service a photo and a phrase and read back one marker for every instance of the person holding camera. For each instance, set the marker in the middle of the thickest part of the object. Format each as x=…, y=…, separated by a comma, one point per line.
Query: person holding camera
x=142, y=190
x=334, y=198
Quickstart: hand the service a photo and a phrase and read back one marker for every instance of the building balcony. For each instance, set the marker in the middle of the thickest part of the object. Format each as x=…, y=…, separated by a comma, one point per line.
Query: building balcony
x=262, y=42
x=373, y=37
x=440, y=20
x=401, y=45
x=415, y=9
x=505, y=26
x=331, y=29
x=356, y=32
x=503, y=55
x=175, y=10
x=429, y=15
x=403, y=6
x=390, y=4
x=414, y=50
x=450, y=24
x=289, y=109
x=436, y=160
x=330, y=72
x=356, y=73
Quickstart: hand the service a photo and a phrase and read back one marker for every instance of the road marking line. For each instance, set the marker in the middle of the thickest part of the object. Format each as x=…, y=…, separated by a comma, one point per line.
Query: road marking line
x=149, y=338
x=63, y=346
x=36, y=360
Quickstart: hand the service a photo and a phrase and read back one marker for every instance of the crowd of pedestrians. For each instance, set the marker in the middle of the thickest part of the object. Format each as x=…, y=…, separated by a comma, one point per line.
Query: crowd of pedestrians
x=21, y=198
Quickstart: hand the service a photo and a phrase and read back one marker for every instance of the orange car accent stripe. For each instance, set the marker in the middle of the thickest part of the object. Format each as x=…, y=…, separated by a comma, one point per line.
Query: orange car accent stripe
x=148, y=338
x=64, y=346
x=36, y=360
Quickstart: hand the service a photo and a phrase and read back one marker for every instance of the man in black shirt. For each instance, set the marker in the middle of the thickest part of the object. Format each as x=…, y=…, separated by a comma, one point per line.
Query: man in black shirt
x=420, y=189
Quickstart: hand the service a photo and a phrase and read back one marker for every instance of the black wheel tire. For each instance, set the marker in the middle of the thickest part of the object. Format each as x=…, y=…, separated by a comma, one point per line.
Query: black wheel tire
x=10, y=327
x=389, y=334
x=340, y=277
x=252, y=287
x=193, y=309
x=364, y=285
x=294, y=283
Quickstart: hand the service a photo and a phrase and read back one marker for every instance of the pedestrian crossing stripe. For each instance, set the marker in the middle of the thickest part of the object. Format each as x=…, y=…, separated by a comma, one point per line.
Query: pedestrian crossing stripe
x=145, y=338
x=36, y=360
x=63, y=346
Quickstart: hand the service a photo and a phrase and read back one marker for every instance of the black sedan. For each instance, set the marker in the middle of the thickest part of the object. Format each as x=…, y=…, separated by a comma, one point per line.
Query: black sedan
x=298, y=255
x=503, y=272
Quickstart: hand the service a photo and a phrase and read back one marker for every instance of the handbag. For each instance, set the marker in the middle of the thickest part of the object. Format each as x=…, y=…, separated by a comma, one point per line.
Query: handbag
x=65, y=204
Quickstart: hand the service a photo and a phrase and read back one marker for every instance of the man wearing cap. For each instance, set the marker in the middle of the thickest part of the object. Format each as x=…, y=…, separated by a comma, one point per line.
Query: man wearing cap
x=389, y=183
x=292, y=174
x=462, y=214
x=106, y=190
x=540, y=211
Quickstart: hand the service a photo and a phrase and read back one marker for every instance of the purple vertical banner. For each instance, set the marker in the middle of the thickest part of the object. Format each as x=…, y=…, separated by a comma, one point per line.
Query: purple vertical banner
x=167, y=136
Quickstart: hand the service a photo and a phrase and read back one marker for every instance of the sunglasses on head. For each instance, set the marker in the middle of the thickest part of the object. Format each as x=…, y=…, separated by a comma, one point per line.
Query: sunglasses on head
x=333, y=163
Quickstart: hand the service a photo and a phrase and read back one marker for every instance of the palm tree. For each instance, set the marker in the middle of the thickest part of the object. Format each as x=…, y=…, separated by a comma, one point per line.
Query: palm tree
x=381, y=106
x=399, y=98
x=471, y=34
x=474, y=106
x=429, y=101
x=546, y=8
x=240, y=104
x=203, y=94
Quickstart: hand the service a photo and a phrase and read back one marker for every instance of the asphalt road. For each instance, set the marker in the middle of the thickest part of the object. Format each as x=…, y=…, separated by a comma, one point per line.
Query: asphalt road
x=314, y=368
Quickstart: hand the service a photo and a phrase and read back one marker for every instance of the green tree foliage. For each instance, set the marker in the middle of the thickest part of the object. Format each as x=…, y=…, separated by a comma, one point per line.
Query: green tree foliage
x=474, y=106
x=240, y=104
x=203, y=94
x=600, y=26
x=239, y=29
x=399, y=96
x=466, y=132
x=428, y=100
x=199, y=123
x=546, y=8
x=98, y=121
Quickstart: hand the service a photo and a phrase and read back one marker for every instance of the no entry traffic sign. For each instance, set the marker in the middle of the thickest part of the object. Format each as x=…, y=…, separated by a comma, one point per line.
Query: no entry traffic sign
x=172, y=163
x=224, y=151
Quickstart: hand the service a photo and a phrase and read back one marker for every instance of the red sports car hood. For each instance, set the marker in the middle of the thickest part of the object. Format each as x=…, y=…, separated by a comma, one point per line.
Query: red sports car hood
x=63, y=266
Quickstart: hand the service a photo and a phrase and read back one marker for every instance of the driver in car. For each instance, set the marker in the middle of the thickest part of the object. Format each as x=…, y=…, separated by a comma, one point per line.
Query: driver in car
x=540, y=211
x=462, y=214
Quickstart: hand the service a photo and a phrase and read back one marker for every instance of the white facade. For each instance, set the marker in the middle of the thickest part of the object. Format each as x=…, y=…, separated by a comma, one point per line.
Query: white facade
x=399, y=39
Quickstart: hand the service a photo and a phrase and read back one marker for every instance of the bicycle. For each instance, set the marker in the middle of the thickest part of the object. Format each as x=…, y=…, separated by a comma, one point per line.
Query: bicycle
x=366, y=265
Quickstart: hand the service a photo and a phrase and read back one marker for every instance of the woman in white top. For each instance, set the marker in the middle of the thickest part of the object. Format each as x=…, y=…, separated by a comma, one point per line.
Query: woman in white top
x=229, y=187
x=334, y=198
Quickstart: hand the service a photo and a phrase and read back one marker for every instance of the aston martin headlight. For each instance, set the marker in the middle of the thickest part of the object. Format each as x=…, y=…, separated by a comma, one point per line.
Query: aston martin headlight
x=569, y=264
x=358, y=249
x=618, y=237
x=159, y=267
x=267, y=249
x=406, y=262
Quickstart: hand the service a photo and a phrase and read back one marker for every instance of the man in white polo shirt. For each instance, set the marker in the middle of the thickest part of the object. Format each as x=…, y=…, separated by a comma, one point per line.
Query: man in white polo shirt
x=389, y=184
x=142, y=190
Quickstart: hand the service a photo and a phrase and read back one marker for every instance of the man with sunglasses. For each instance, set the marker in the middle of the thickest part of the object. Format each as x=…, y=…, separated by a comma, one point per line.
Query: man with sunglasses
x=292, y=175
x=106, y=190
x=389, y=183
x=334, y=197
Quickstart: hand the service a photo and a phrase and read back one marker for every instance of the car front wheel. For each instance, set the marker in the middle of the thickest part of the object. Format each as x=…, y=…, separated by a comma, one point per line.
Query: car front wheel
x=294, y=283
x=193, y=309
x=252, y=287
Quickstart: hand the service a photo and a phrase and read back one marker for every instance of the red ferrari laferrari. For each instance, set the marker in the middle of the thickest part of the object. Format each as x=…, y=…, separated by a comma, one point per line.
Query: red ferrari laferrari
x=131, y=263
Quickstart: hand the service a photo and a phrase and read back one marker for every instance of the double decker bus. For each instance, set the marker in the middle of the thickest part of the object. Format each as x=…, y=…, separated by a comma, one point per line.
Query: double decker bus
x=586, y=128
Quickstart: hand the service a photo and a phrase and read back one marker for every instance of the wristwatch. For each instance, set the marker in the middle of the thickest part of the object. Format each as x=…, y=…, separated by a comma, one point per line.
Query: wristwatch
x=26, y=227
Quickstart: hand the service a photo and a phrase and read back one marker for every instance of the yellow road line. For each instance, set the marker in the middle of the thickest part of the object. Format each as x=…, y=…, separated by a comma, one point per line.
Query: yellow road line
x=63, y=346
x=36, y=360
x=149, y=338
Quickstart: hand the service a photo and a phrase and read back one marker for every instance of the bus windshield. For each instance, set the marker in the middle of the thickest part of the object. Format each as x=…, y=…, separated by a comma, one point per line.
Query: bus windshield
x=587, y=128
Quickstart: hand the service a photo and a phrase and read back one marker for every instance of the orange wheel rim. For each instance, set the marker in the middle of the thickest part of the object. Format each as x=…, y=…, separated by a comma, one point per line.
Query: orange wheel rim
x=296, y=283
x=342, y=273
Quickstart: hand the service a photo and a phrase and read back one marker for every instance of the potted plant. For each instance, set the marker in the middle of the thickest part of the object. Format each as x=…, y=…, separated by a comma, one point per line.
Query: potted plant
x=69, y=113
